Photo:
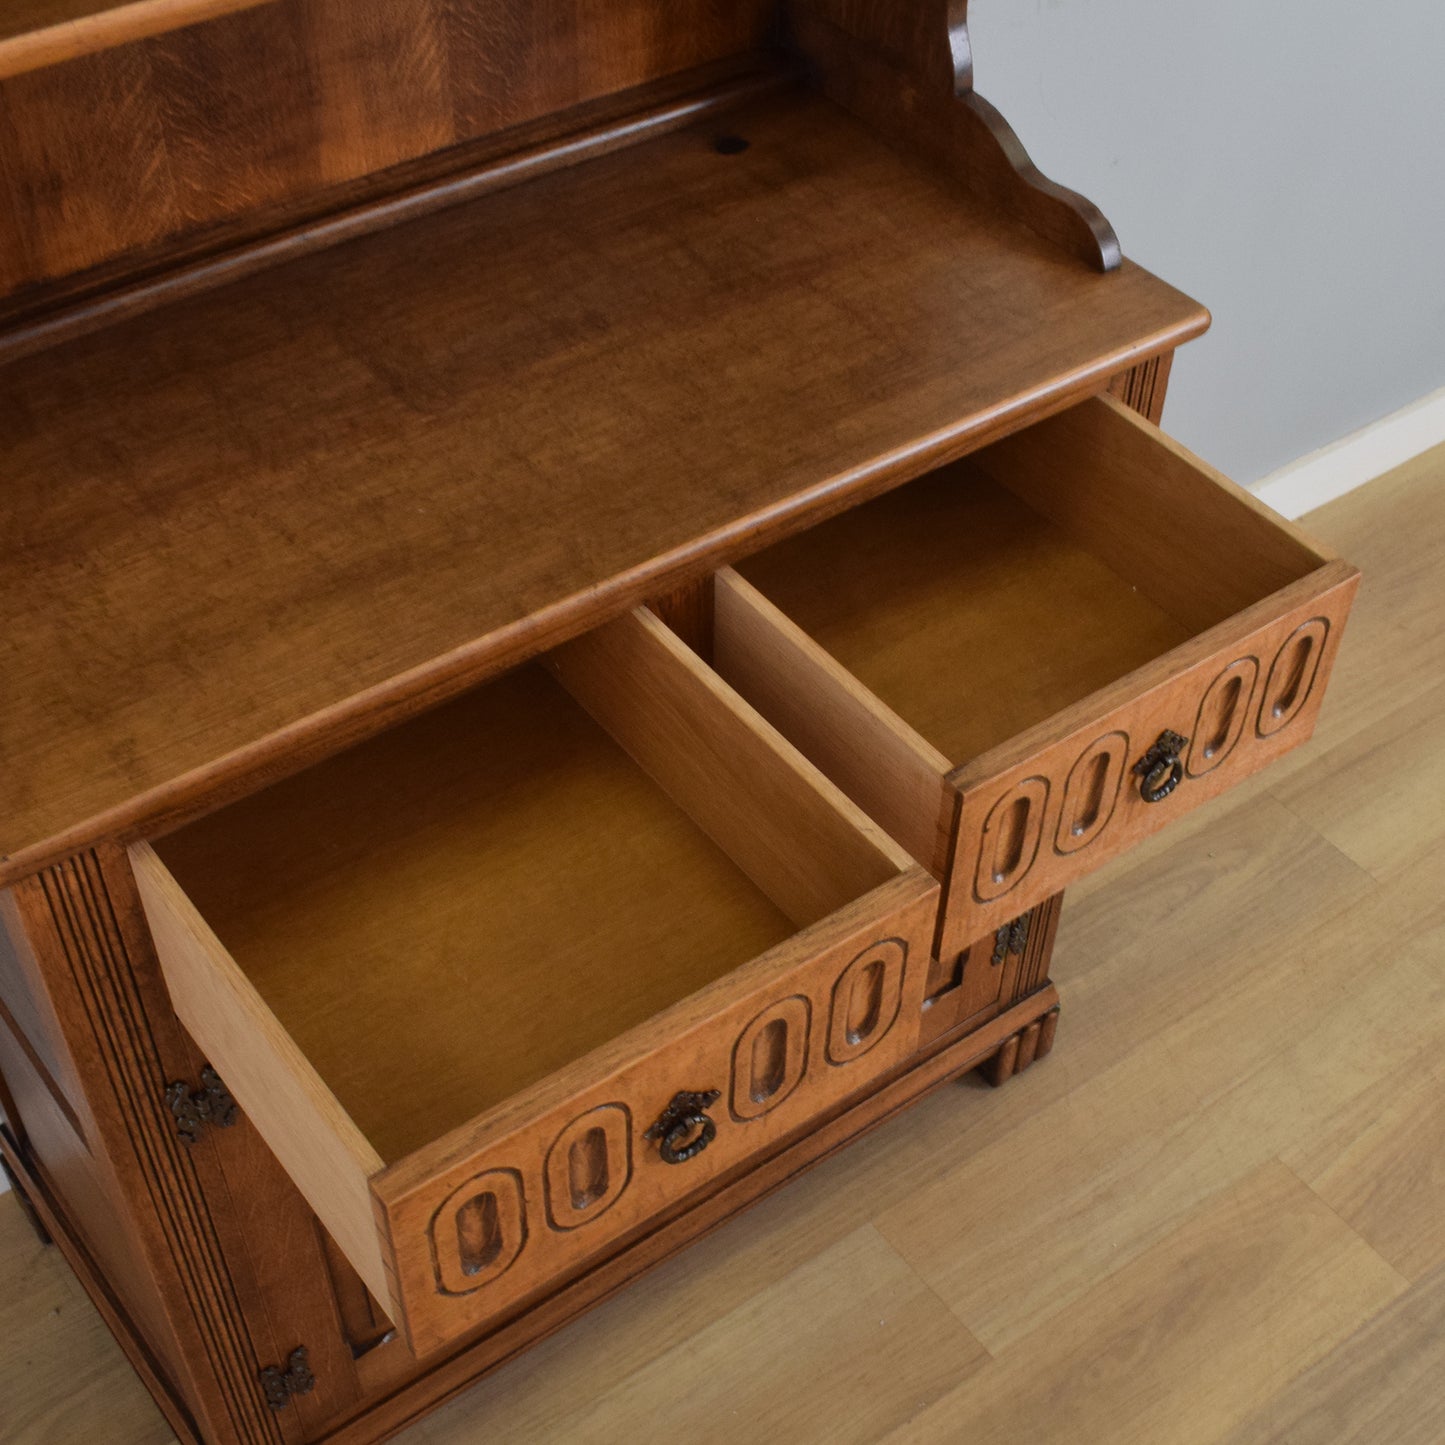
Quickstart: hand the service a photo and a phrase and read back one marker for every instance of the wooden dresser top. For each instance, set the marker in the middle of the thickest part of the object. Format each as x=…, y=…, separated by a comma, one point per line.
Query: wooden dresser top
x=263, y=521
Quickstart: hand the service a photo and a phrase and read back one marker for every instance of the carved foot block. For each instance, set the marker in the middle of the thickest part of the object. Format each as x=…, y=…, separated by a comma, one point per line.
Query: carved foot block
x=1020, y=1050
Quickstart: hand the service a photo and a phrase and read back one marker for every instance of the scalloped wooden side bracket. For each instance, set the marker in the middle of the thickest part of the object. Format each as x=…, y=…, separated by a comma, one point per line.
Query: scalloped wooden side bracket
x=906, y=67
x=960, y=48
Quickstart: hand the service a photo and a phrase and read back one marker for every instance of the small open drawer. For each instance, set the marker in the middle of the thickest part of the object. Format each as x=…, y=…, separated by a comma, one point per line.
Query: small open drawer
x=1024, y=663
x=460, y=977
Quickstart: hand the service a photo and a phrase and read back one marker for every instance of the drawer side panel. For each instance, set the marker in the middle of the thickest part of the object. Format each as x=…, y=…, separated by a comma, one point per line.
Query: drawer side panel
x=309, y=1132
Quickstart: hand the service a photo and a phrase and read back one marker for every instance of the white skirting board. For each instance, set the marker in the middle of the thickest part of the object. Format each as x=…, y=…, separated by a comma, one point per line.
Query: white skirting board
x=1360, y=457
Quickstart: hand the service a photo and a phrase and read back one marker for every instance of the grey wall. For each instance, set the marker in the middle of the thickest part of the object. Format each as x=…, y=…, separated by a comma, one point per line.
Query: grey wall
x=1282, y=161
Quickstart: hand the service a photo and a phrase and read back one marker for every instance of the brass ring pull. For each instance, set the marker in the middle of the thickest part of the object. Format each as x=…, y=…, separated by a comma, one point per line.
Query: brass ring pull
x=1161, y=769
x=684, y=1130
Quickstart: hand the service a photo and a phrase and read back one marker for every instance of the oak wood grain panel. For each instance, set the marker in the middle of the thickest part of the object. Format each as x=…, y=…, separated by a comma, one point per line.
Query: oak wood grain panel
x=792, y=831
x=221, y=144
x=39, y=33
x=321, y=1149
x=305, y=98
x=231, y=466
x=59, y=213
x=911, y=32
x=380, y=76
x=221, y=256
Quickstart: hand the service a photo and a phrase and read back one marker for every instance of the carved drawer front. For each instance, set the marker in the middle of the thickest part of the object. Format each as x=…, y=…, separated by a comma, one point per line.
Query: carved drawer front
x=1026, y=662
x=476, y=1231
x=504, y=986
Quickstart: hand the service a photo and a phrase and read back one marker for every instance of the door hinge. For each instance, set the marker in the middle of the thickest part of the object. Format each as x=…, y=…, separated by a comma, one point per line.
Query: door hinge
x=1011, y=938
x=282, y=1386
x=194, y=1109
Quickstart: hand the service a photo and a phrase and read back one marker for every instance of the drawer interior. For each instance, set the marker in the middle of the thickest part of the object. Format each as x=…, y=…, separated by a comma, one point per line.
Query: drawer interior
x=986, y=658
x=447, y=914
x=422, y=966
x=984, y=598
x=969, y=614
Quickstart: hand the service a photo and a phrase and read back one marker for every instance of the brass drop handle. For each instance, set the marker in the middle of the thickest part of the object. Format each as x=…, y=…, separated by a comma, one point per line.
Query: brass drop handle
x=684, y=1130
x=1161, y=769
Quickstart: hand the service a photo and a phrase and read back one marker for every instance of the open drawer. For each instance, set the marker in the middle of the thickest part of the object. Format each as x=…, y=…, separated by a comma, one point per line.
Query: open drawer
x=1024, y=663
x=462, y=977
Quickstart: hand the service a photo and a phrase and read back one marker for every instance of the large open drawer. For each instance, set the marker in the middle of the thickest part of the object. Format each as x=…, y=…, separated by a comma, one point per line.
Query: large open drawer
x=1028, y=661
x=458, y=976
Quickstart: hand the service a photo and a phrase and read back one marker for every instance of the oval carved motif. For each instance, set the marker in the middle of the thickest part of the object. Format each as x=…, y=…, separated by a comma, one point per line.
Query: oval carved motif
x=1292, y=676
x=588, y=1166
x=478, y=1231
x=1091, y=792
x=866, y=1000
x=1010, y=839
x=770, y=1058
x=1223, y=711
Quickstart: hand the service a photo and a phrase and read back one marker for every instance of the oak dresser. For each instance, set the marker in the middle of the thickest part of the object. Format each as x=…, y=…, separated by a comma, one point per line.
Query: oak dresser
x=579, y=579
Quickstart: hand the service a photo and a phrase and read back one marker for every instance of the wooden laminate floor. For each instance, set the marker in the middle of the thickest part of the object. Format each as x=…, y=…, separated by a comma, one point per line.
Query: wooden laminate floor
x=1215, y=1214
